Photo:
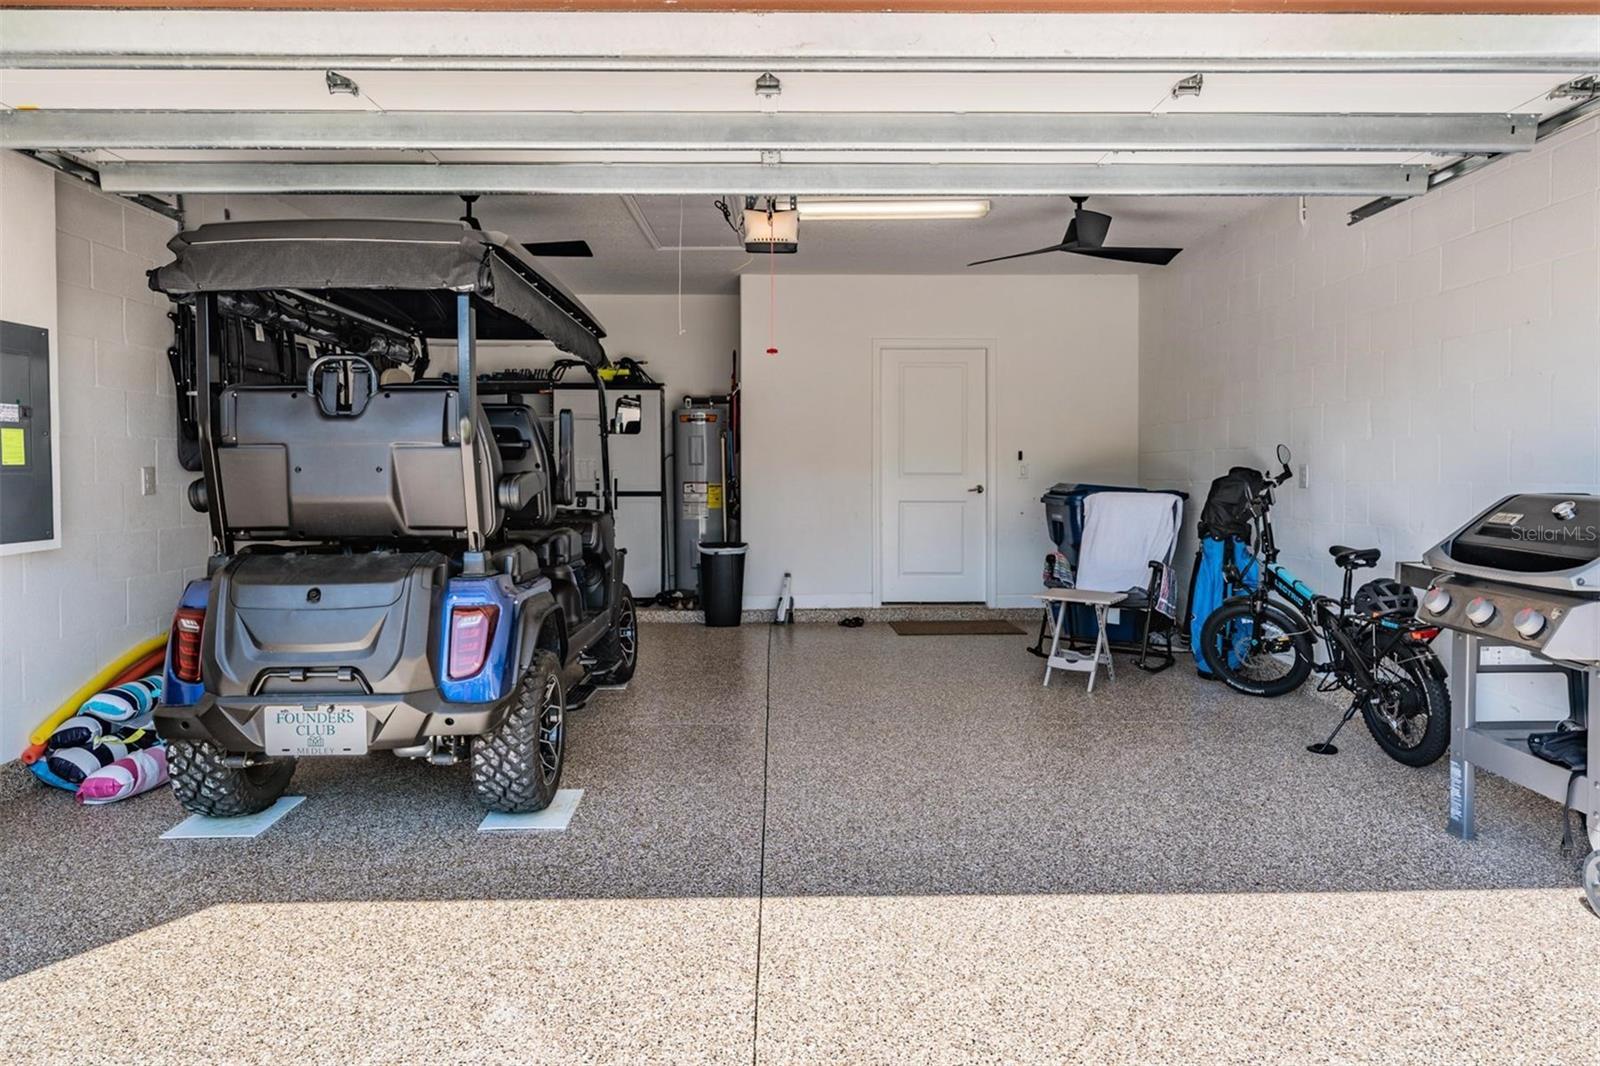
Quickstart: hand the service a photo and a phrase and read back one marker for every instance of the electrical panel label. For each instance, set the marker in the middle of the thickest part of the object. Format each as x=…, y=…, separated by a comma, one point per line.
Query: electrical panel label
x=13, y=447
x=11, y=412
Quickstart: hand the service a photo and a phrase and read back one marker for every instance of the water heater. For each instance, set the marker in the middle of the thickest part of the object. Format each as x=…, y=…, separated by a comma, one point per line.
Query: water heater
x=699, y=501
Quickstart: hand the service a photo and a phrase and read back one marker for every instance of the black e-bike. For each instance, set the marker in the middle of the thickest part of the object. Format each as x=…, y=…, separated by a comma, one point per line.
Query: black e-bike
x=1261, y=642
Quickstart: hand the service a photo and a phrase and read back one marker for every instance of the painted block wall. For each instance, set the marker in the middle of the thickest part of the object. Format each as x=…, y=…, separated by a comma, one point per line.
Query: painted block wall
x=1421, y=363
x=1065, y=353
x=124, y=556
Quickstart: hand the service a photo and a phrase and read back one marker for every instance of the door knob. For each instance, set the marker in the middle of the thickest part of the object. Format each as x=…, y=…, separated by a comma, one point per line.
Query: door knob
x=976, y=488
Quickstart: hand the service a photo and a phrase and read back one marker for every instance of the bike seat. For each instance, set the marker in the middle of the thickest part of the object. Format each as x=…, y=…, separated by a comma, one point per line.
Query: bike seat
x=1354, y=558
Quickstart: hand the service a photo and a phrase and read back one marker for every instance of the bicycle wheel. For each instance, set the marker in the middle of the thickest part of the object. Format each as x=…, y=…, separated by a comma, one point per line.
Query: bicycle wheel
x=1257, y=649
x=1411, y=719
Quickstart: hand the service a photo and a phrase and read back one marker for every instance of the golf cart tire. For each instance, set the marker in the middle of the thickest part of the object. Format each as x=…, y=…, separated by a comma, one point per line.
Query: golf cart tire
x=205, y=785
x=507, y=774
x=619, y=664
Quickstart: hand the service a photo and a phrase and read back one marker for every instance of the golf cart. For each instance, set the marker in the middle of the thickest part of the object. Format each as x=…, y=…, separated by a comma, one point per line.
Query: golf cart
x=400, y=559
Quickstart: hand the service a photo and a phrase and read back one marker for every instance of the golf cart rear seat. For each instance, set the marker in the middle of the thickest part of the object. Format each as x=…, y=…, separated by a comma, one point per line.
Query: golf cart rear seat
x=524, y=450
x=293, y=470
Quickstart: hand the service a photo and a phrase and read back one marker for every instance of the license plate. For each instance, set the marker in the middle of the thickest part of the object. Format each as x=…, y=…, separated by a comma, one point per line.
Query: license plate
x=321, y=729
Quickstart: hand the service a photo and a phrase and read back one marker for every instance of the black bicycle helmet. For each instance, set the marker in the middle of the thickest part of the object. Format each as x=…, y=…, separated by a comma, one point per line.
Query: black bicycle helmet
x=1385, y=596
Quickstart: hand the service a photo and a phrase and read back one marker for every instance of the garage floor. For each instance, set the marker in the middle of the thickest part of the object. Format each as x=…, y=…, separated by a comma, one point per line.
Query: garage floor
x=847, y=846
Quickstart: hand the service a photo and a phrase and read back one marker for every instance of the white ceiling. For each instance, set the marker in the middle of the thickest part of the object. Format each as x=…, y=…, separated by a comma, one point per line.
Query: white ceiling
x=627, y=261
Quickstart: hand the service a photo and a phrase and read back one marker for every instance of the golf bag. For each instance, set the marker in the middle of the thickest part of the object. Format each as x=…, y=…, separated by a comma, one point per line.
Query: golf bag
x=1224, y=531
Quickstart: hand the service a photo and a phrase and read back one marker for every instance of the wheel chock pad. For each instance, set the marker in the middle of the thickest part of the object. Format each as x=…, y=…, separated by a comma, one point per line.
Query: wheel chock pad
x=553, y=819
x=201, y=827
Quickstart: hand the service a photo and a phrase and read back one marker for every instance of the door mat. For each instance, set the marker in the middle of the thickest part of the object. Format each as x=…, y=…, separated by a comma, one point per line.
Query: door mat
x=974, y=627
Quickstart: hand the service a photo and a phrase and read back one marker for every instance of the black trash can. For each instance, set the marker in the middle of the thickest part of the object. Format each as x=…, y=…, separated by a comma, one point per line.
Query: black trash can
x=721, y=581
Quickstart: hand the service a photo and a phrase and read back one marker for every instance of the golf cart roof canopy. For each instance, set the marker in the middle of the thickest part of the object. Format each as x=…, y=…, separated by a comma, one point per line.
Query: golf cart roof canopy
x=403, y=272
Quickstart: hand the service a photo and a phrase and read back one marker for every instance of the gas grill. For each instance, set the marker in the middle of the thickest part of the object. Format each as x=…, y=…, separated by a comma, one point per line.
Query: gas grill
x=1524, y=573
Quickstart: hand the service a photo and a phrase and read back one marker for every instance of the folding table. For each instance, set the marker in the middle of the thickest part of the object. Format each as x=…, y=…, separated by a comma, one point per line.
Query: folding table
x=1072, y=660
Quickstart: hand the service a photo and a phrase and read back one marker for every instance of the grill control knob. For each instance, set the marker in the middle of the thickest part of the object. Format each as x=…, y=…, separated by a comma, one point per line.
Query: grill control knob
x=1437, y=601
x=1530, y=622
x=1480, y=611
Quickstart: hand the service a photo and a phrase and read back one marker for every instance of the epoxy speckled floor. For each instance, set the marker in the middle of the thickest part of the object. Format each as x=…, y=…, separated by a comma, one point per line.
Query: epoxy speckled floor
x=918, y=855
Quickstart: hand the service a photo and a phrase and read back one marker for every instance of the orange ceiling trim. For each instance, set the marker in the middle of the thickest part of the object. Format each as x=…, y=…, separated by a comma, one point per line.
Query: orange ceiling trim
x=1383, y=7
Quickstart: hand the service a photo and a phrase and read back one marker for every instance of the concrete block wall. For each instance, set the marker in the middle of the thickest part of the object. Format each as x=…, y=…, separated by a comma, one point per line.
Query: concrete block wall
x=124, y=556
x=1420, y=363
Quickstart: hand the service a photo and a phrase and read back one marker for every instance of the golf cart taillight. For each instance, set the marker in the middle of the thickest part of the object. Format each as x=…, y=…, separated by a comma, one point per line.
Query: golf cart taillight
x=186, y=627
x=471, y=629
x=1423, y=635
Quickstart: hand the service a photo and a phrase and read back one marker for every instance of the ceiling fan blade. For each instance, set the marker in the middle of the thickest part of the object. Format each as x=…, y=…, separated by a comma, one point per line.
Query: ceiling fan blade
x=571, y=249
x=1153, y=256
x=1021, y=255
x=1091, y=227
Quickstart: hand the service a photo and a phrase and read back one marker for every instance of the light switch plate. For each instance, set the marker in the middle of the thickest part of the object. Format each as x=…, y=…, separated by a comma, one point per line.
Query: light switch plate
x=147, y=481
x=1304, y=481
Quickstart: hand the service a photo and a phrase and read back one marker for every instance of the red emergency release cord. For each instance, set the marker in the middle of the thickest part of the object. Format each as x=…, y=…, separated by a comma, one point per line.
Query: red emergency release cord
x=772, y=298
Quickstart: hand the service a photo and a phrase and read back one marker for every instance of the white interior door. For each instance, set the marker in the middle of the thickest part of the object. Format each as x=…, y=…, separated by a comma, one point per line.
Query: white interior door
x=933, y=517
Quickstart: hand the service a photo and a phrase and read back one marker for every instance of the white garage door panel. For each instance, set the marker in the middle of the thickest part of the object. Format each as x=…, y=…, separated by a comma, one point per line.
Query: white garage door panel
x=180, y=90
x=664, y=90
x=933, y=437
x=1443, y=93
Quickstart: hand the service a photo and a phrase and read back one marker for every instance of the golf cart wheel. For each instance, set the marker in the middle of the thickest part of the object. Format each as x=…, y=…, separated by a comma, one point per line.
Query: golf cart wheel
x=204, y=785
x=619, y=649
x=516, y=766
x=1591, y=881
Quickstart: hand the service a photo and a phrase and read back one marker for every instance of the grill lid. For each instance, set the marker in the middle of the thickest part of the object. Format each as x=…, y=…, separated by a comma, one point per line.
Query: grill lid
x=1552, y=541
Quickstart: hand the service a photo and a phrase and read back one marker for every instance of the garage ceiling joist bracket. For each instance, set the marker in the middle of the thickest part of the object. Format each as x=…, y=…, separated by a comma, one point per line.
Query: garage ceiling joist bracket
x=822, y=179
x=781, y=41
x=749, y=131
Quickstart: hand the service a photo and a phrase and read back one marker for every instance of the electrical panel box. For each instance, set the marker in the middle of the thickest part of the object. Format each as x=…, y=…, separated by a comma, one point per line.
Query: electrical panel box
x=27, y=439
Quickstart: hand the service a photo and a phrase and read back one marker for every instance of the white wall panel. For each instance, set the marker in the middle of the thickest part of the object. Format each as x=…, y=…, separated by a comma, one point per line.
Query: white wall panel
x=1064, y=373
x=124, y=557
x=1421, y=363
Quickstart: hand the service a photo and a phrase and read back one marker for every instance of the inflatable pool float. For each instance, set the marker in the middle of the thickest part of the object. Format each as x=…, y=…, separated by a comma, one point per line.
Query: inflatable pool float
x=136, y=662
x=137, y=772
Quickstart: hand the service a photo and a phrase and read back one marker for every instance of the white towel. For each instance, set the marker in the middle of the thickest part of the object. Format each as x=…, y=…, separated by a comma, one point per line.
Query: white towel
x=1123, y=532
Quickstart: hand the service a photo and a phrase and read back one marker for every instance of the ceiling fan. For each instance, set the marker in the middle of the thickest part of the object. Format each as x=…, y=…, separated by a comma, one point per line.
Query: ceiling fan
x=1086, y=235
x=569, y=249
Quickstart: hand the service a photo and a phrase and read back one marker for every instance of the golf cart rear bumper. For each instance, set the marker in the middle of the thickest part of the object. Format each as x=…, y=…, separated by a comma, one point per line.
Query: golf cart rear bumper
x=238, y=724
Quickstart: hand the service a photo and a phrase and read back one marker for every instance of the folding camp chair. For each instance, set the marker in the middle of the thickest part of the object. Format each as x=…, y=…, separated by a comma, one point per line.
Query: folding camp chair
x=1126, y=546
